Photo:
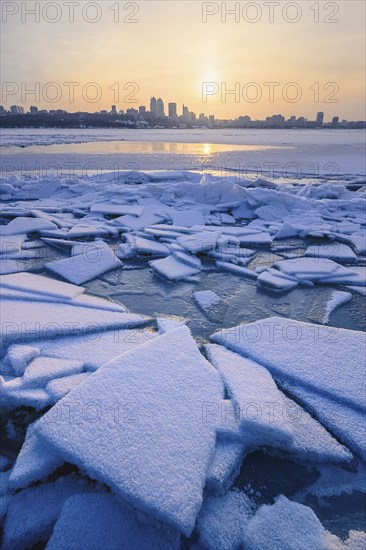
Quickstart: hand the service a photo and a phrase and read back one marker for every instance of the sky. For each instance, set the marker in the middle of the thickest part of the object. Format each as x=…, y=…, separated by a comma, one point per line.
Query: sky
x=293, y=58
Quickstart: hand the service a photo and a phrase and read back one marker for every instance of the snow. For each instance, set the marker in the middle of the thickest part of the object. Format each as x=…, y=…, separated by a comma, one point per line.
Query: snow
x=335, y=251
x=200, y=242
x=157, y=454
x=206, y=299
x=98, y=520
x=322, y=359
x=60, y=387
x=116, y=209
x=141, y=245
x=172, y=269
x=320, y=270
x=337, y=298
x=288, y=525
x=23, y=226
x=79, y=269
x=223, y=519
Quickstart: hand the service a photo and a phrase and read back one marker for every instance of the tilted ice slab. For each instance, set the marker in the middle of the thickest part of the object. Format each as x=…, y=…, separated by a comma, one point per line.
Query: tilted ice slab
x=98, y=520
x=334, y=251
x=94, y=350
x=225, y=464
x=325, y=360
x=172, y=269
x=79, y=269
x=43, y=369
x=30, y=283
x=222, y=520
x=288, y=525
x=22, y=226
x=59, y=387
x=253, y=390
x=317, y=270
x=346, y=423
x=25, y=321
x=35, y=461
x=337, y=298
x=157, y=452
x=147, y=246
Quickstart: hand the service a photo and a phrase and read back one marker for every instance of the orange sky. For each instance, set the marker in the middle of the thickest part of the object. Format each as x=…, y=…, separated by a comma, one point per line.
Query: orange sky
x=170, y=52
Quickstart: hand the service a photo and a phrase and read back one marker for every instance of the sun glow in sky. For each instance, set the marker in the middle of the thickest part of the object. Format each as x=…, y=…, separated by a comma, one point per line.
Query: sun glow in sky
x=134, y=50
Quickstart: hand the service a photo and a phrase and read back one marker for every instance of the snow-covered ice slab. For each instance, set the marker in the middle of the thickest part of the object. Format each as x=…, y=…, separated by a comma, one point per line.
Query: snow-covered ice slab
x=326, y=360
x=225, y=464
x=206, y=299
x=317, y=270
x=79, y=269
x=23, y=226
x=25, y=321
x=156, y=454
x=30, y=283
x=334, y=251
x=337, y=298
x=199, y=242
x=287, y=525
x=252, y=389
x=98, y=520
x=35, y=461
x=59, y=387
x=346, y=423
x=33, y=512
x=172, y=269
x=116, y=209
x=43, y=369
x=147, y=246
x=94, y=350
x=222, y=520
x=276, y=281
x=18, y=357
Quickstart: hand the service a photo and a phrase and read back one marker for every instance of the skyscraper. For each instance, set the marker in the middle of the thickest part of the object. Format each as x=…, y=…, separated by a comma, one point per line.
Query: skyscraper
x=153, y=107
x=172, y=108
x=319, y=119
x=160, y=108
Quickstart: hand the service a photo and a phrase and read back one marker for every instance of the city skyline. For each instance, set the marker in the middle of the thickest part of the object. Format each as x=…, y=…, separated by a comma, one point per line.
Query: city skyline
x=217, y=48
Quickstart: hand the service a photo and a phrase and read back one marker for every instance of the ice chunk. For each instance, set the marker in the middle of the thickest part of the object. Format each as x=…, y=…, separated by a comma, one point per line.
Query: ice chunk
x=11, y=245
x=316, y=270
x=79, y=269
x=150, y=445
x=338, y=297
x=199, y=242
x=116, y=209
x=237, y=269
x=34, y=462
x=147, y=246
x=273, y=280
x=172, y=269
x=187, y=218
x=222, y=520
x=334, y=251
x=32, y=513
x=98, y=520
x=43, y=369
x=19, y=356
x=30, y=283
x=325, y=360
x=288, y=525
x=165, y=323
x=206, y=299
x=253, y=390
x=60, y=387
x=225, y=464
x=14, y=397
x=96, y=349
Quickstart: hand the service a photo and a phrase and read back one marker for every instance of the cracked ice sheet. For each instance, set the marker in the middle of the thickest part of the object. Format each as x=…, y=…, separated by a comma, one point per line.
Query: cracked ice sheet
x=325, y=360
x=156, y=454
x=24, y=320
x=99, y=520
x=31, y=283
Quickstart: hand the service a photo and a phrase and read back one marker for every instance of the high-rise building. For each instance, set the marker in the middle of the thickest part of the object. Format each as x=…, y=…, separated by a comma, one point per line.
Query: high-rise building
x=160, y=108
x=33, y=110
x=172, y=109
x=335, y=122
x=319, y=119
x=16, y=110
x=185, y=114
x=153, y=107
x=142, y=111
x=114, y=110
